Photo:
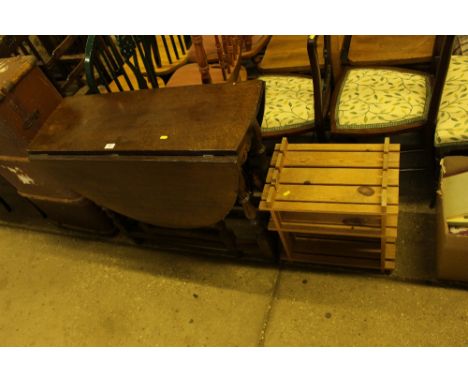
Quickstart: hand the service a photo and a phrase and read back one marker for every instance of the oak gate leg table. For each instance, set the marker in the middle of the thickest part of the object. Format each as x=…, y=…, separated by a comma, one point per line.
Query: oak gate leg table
x=173, y=158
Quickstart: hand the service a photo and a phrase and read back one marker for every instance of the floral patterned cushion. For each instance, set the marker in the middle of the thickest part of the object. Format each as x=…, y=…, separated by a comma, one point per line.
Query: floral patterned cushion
x=452, y=120
x=381, y=98
x=289, y=103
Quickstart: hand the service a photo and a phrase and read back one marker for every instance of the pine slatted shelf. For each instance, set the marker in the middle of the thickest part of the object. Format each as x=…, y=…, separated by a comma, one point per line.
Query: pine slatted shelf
x=335, y=204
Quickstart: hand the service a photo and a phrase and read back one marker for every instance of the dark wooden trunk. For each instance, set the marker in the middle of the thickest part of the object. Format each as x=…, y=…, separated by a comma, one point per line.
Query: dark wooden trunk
x=27, y=99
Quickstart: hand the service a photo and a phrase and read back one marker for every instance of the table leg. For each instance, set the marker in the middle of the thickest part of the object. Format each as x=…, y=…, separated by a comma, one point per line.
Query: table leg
x=257, y=160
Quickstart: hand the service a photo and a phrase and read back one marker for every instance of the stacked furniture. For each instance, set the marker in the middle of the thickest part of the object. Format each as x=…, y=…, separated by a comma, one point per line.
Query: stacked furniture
x=252, y=47
x=127, y=63
x=27, y=98
x=226, y=69
x=60, y=57
x=179, y=158
x=184, y=166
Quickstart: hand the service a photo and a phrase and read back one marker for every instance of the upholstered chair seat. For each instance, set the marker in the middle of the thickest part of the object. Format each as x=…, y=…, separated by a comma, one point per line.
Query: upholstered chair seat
x=452, y=120
x=380, y=99
x=289, y=104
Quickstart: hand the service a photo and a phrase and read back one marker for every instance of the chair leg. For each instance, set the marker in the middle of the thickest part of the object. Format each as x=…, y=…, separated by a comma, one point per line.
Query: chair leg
x=432, y=165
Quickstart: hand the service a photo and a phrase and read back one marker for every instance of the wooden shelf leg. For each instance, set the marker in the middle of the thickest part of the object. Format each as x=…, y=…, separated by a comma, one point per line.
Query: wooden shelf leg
x=285, y=237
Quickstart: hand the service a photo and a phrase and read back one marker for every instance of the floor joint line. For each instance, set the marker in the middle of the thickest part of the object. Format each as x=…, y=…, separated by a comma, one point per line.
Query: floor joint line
x=266, y=320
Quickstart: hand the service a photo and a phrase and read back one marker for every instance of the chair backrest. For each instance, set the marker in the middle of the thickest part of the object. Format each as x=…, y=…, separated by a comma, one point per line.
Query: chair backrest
x=66, y=59
x=247, y=42
x=228, y=49
x=53, y=56
x=169, y=49
x=120, y=63
x=323, y=83
x=254, y=45
x=20, y=45
x=389, y=50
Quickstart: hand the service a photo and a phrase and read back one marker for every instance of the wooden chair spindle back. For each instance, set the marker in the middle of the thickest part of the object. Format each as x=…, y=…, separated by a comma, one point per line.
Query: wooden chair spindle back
x=228, y=49
x=202, y=60
x=116, y=61
x=322, y=83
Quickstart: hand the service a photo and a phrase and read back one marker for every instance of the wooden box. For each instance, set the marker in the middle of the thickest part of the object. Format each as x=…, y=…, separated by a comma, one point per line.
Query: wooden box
x=29, y=178
x=335, y=204
x=452, y=250
x=27, y=98
x=16, y=209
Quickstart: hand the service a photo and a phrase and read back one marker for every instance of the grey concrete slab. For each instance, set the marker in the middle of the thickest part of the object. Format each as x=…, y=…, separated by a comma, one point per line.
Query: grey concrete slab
x=58, y=290
x=332, y=309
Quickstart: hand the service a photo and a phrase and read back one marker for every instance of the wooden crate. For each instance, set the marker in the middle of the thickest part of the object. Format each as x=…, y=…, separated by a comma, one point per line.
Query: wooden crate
x=335, y=204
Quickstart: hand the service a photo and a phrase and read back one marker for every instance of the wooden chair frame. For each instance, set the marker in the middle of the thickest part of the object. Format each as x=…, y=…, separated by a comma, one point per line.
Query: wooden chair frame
x=346, y=46
x=57, y=65
x=322, y=89
x=105, y=58
x=229, y=51
x=248, y=52
x=437, y=82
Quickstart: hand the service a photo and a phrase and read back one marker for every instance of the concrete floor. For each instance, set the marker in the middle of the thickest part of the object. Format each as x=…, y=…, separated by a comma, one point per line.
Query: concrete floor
x=58, y=290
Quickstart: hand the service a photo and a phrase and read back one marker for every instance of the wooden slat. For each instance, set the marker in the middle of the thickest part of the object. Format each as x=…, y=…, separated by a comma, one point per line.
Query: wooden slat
x=391, y=240
x=323, y=159
x=339, y=159
x=390, y=251
x=340, y=147
x=266, y=196
x=328, y=252
x=286, y=238
x=336, y=176
x=333, y=194
x=389, y=265
x=346, y=219
x=346, y=248
x=342, y=247
x=322, y=229
x=337, y=261
x=334, y=208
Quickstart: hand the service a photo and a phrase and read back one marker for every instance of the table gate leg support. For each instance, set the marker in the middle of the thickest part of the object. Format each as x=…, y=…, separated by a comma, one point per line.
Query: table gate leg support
x=228, y=238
